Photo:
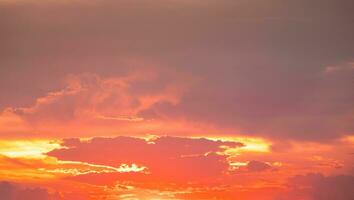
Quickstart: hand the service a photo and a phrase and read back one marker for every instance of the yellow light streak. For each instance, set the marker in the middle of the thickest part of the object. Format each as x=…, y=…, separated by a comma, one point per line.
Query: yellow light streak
x=80, y=168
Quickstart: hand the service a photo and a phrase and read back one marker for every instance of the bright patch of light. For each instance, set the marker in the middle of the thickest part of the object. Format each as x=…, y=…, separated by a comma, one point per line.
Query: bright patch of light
x=250, y=144
x=76, y=168
x=27, y=148
x=123, y=168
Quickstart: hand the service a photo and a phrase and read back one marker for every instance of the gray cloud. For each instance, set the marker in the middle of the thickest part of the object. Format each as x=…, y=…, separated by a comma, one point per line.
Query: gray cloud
x=11, y=191
x=320, y=187
x=257, y=166
x=259, y=64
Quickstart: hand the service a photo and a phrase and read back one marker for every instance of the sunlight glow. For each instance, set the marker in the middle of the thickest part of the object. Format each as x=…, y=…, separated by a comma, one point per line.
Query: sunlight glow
x=251, y=144
x=27, y=148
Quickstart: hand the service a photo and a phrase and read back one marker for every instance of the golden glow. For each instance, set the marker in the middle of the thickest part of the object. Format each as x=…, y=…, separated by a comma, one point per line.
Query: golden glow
x=27, y=148
x=121, y=118
x=251, y=144
x=348, y=139
x=237, y=165
x=105, y=168
x=254, y=145
x=130, y=168
x=76, y=168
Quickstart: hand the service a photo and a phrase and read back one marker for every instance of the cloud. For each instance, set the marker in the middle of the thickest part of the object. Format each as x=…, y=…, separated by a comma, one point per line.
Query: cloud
x=11, y=191
x=168, y=159
x=88, y=96
x=143, y=102
x=337, y=68
x=319, y=187
x=257, y=166
x=312, y=106
x=278, y=70
x=90, y=102
x=255, y=78
x=11, y=123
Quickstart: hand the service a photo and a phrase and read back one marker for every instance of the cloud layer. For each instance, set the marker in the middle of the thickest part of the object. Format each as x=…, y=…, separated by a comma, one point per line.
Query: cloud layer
x=145, y=102
x=319, y=187
x=168, y=159
x=276, y=69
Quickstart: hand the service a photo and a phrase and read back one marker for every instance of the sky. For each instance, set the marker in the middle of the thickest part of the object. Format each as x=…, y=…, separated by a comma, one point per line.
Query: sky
x=176, y=100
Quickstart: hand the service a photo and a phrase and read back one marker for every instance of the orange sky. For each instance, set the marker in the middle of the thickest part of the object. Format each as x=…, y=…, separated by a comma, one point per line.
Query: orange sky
x=180, y=100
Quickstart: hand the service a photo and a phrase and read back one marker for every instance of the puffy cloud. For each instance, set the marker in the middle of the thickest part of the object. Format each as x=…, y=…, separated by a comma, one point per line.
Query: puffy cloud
x=88, y=96
x=89, y=102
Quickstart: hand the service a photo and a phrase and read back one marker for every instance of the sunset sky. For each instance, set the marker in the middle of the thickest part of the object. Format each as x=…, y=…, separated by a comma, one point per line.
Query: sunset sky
x=176, y=100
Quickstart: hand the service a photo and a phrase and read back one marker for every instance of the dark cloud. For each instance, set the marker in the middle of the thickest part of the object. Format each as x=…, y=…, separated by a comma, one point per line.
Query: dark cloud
x=320, y=187
x=257, y=166
x=11, y=191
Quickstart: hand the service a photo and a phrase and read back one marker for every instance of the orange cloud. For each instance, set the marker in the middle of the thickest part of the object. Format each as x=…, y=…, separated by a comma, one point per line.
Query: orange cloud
x=160, y=167
x=88, y=96
x=89, y=102
x=194, y=159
